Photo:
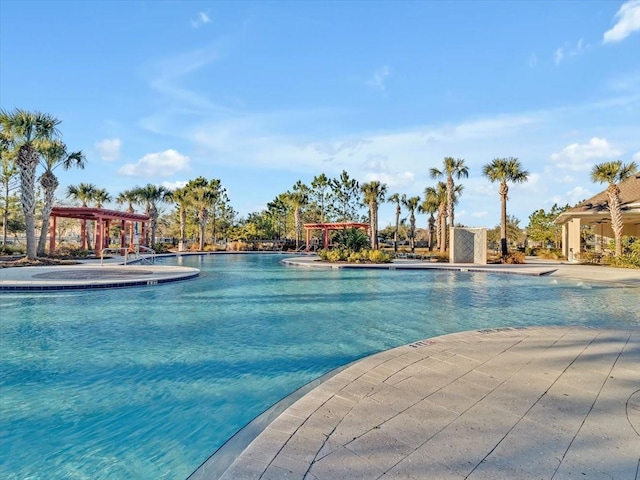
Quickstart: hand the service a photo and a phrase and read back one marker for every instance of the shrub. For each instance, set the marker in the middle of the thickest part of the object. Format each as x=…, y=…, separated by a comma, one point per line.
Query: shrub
x=378, y=256
x=11, y=250
x=513, y=258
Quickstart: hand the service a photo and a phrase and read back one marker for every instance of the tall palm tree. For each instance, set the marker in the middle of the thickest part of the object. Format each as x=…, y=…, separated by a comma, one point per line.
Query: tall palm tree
x=26, y=129
x=452, y=168
x=83, y=193
x=181, y=198
x=374, y=193
x=430, y=205
x=100, y=196
x=54, y=154
x=128, y=197
x=201, y=196
x=150, y=195
x=505, y=170
x=613, y=173
x=298, y=199
x=436, y=198
x=395, y=198
x=411, y=204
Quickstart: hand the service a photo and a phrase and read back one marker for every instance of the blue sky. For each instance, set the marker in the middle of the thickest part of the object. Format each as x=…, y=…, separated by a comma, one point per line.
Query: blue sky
x=261, y=94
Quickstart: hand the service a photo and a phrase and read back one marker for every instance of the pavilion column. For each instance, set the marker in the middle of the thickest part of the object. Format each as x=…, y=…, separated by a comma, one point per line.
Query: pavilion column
x=143, y=240
x=99, y=235
x=325, y=237
x=83, y=234
x=52, y=234
x=131, y=235
x=307, y=239
x=107, y=234
x=123, y=235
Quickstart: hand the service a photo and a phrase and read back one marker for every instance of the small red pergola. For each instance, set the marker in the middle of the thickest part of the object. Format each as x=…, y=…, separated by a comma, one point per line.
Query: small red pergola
x=326, y=227
x=103, y=219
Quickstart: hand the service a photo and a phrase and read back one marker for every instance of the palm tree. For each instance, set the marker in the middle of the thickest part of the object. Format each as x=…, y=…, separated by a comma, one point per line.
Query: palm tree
x=25, y=129
x=100, y=197
x=504, y=170
x=181, y=198
x=395, y=198
x=430, y=205
x=436, y=198
x=128, y=197
x=298, y=199
x=613, y=173
x=83, y=192
x=150, y=195
x=201, y=196
x=54, y=154
x=374, y=192
x=452, y=168
x=411, y=204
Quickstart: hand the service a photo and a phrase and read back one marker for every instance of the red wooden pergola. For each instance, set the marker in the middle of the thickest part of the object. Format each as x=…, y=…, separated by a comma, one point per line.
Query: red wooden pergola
x=326, y=227
x=103, y=219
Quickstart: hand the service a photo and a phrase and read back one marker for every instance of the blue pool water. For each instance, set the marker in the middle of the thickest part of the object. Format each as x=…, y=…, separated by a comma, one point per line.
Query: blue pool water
x=147, y=382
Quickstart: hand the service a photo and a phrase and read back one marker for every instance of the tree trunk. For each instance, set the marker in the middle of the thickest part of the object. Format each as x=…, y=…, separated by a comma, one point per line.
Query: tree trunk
x=183, y=228
x=450, y=199
x=202, y=217
x=298, y=226
x=395, y=234
x=432, y=221
x=617, y=223
x=27, y=162
x=504, y=190
x=413, y=232
x=49, y=184
x=373, y=234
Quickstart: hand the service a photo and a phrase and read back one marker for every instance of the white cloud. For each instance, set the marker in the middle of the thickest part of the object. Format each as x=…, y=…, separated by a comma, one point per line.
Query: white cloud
x=628, y=21
x=393, y=180
x=636, y=157
x=379, y=78
x=533, y=60
x=174, y=185
x=578, y=157
x=161, y=164
x=568, y=50
x=201, y=19
x=109, y=149
x=576, y=195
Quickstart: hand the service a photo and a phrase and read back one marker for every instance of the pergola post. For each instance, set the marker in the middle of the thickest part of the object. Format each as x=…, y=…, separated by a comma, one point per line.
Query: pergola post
x=99, y=235
x=123, y=236
x=52, y=234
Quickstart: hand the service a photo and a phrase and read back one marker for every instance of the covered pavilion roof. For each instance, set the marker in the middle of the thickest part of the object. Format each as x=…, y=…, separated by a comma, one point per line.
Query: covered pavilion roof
x=92, y=213
x=596, y=208
x=335, y=225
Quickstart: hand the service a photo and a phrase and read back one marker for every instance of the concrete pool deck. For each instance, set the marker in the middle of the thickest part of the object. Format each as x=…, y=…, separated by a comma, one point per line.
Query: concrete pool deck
x=90, y=275
x=522, y=403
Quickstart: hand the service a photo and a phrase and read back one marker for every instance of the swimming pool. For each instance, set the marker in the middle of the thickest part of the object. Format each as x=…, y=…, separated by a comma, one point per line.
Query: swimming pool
x=147, y=382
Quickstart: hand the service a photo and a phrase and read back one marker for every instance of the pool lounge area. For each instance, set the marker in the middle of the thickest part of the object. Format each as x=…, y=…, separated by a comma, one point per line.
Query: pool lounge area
x=278, y=338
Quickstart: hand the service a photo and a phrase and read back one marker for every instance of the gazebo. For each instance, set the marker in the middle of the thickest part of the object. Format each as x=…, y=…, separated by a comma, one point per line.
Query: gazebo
x=595, y=211
x=326, y=227
x=103, y=219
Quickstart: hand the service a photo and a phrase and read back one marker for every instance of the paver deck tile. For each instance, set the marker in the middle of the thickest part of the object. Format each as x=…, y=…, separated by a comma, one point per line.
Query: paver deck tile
x=538, y=403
